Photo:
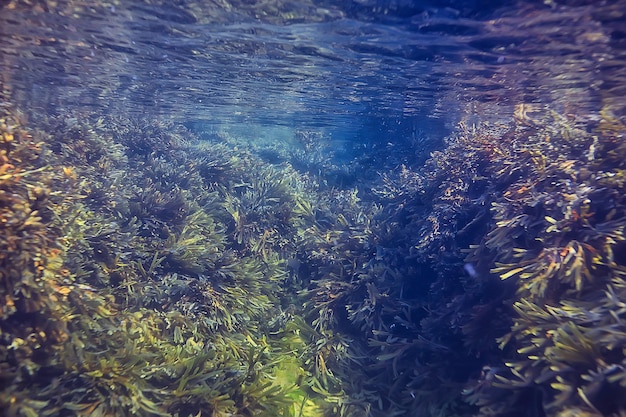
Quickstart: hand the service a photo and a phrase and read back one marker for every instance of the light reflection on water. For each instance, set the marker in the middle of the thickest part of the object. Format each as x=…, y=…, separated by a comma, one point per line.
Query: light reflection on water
x=312, y=64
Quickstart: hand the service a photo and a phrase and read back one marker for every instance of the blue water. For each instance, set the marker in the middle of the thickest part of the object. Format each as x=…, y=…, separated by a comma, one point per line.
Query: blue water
x=341, y=66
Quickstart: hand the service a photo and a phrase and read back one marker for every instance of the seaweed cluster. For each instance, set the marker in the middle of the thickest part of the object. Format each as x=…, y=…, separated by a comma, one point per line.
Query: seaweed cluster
x=388, y=289
x=501, y=261
x=134, y=291
x=34, y=285
x=559, y=233
x=145, y=271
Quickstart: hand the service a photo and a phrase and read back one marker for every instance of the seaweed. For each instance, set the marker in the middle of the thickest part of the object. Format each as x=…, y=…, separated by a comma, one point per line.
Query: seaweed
x=138, y=301
x=554, y=238
x=205, y=280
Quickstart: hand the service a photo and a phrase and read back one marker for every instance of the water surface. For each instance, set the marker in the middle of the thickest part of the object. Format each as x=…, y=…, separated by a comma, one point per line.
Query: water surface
x=311, y=64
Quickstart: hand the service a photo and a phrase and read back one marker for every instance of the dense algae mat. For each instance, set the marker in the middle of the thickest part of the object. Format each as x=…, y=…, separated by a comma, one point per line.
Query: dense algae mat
x=147, y=272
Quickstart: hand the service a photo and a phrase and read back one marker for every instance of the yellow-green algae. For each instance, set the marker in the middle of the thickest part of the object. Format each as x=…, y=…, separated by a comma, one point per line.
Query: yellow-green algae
x=130, y=294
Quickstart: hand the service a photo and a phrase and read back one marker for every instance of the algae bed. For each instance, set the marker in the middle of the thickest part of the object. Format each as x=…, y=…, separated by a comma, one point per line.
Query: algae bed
x=312, y=208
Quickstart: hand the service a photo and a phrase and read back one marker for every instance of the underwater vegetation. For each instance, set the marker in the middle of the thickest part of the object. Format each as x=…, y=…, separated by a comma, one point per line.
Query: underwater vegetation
x=33, y=315
x=559, y=233
x=501, y=261
x=146, y=271
x=129, y=291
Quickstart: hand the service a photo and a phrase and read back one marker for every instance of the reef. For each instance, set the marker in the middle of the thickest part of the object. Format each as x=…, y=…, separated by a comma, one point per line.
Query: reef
x=146, y=270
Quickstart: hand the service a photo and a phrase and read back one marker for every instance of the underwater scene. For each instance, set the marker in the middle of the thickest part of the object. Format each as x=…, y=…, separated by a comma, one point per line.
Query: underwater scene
x=313, y=208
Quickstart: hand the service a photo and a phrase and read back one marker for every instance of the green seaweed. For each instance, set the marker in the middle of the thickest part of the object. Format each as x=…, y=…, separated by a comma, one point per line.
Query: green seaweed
x=206, y=280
